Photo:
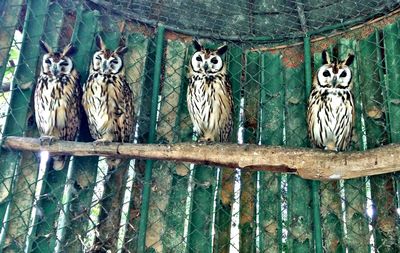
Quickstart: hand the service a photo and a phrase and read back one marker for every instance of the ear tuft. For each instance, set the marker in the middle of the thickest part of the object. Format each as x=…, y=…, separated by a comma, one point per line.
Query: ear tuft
x=222, y=49
x=325, y=57
x=121, y=50
x=197, y=45
x=349, y=60
x=100, y=43
x=45, y=47
x=69, y=50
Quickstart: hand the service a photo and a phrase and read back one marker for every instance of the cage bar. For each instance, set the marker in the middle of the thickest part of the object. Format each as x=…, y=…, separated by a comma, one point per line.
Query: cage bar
x=166, y=222
x=357, y=236
x=16, y=120
x=226, y=193
x=12, y=10
x=248, y=180
x=315, y=185
x=84, y=169
x=299, y=191
x=152, y=137
x=42, y=237
x=271, y=133
x=137, y=73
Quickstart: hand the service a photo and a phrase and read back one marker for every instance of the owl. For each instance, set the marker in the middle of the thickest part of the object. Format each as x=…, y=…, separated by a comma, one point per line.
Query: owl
x=331, y=111
x=209, y=96
x=57, y=99
x=107, y=98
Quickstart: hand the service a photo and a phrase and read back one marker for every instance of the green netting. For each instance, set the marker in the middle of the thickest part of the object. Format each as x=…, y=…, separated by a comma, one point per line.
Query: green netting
x=157, y=206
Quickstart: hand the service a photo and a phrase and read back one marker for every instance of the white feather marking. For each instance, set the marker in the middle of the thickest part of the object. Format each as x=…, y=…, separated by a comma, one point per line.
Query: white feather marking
x=100, y=113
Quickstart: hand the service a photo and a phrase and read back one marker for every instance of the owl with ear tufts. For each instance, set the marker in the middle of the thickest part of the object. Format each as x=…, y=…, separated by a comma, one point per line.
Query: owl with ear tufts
x=331, y=112
x=209, y=96
x=107, y=98
x=57, y=98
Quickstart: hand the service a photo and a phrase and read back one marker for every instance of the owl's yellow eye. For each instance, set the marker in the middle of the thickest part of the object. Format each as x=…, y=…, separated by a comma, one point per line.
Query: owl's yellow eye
x=198, y=58
x=214, y=60
x=344, y=74
x=326, y=73
x=98, y=57
x=47, y=61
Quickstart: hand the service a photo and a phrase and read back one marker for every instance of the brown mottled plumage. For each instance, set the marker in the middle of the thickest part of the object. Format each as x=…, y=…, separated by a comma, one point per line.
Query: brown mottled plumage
x=331, y=112
x=209, y=96
x=57, y=98
x=107, y=98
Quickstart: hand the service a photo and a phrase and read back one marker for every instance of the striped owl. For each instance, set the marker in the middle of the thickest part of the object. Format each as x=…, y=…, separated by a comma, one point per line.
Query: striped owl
x=107, y=98
x=209, y=96
x=57, y=99
x=331, y=111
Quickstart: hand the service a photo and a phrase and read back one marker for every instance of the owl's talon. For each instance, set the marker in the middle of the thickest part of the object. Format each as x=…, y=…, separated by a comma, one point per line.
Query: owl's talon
x=101, y=142
x=207, y=141
x=46, y=140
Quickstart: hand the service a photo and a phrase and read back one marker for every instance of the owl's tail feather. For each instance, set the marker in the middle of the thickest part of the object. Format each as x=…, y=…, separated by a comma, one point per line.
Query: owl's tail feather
x=58, y=162
x=113, y=162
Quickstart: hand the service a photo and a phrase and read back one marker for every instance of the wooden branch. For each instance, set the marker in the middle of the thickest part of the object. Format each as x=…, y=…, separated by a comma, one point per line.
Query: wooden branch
x=307, y=163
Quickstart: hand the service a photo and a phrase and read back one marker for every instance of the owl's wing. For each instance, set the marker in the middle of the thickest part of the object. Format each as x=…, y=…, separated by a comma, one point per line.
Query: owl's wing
x=351, y=116
x=88, y=98
x=314, y=103
x=74, y=110
x=128, y=125
x=226, y=132
x=39, y=101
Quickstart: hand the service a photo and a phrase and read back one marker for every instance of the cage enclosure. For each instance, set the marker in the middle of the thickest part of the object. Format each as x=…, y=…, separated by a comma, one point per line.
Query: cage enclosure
x=274, y=47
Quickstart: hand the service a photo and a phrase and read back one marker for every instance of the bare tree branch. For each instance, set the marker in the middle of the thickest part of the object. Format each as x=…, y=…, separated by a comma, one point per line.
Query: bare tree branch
x=307, y=163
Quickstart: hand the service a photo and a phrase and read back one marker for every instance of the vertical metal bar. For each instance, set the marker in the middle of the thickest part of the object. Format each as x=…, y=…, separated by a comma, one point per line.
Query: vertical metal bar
x=135, y=72
x=271, y=124
x=85, y=29
x=381, y=77
x=170, y=216
x=152, y=134
x=248, y=179
x=314, y=184
x=50, y=182
x=8, y=25
x=307, y=63
x=19, y=104
x=63, y=219
x=390, y=88
x=226, y=194
x=316, y=216
x=392, y=51
x=299, y=197
x=358, y=237
x=382, y=186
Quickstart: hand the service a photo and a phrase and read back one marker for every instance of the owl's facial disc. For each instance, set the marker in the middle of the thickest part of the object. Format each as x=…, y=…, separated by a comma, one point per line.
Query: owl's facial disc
x=55, y=66
x=107, y=63
x=331, y=76
x=206, y=63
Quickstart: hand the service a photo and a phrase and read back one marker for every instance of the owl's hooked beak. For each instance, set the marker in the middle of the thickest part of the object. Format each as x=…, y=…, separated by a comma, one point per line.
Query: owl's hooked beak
x=334, y=81
x=104, y=67
x=54, y=70
x=205, y=67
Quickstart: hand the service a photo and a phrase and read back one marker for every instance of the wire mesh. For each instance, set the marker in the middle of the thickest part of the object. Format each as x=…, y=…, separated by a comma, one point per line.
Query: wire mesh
x=157, y=206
